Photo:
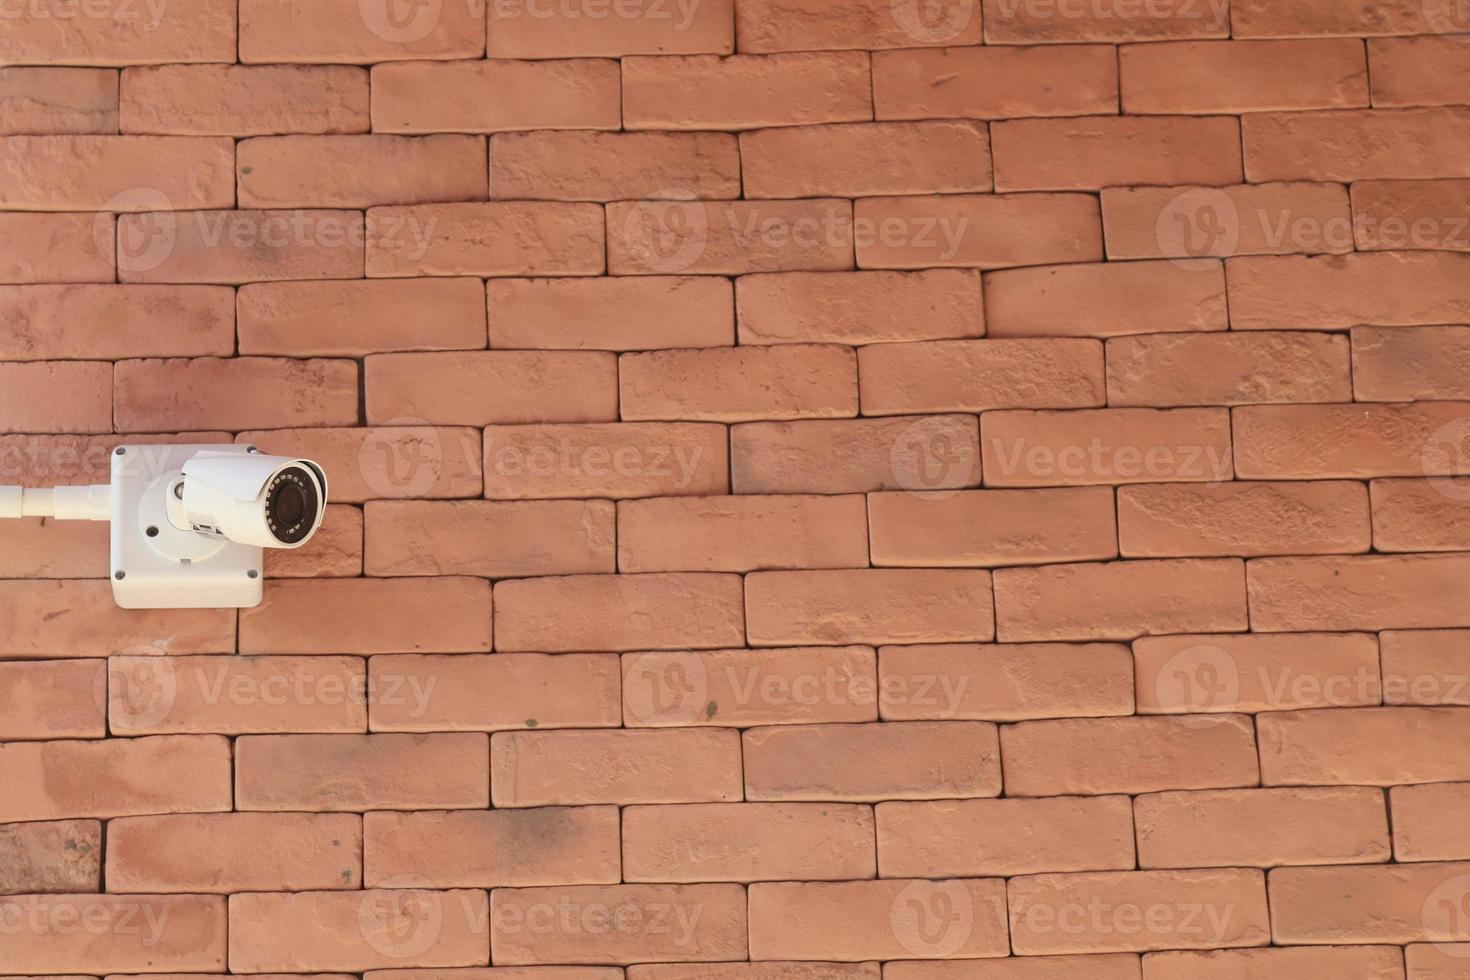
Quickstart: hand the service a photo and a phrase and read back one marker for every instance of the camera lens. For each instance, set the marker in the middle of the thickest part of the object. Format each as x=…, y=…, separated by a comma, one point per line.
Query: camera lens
x=291, y=504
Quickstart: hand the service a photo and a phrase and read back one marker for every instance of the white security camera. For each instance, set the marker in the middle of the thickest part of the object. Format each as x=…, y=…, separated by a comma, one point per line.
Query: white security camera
x=189, y=522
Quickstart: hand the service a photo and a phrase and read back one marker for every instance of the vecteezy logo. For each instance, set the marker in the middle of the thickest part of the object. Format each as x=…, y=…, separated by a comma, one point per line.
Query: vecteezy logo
x=1448, y=17
x=1200, y=223
x=401, y=459
x=667, y=232
x=139, y=226
x=401, y=21
x=1196, y=681
x=1445, y=459
x=932, y=919
x=666, y=688
x=1446, y=917
x=934, y=21
x=400, y=917
x=141, y=691
x=933, y=454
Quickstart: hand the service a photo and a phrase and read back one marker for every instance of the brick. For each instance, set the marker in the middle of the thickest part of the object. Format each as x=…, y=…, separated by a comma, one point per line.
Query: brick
x=353, y=318
x=1411, y=363
x=40, y=101
x=1242, y=518
x=121, y=36
x=729, y=237
x=389, y=461
x=1426, y=667
x=230, y=695
x=495, y=96
x=623, y=612
x=745, y=688
x=98, y=173
x=786, y=970
x=758, y=842
x=1241, y=219
x=55, y=396
x=612, y=313
x=234, y=247
x=335, y=551
x=995, y=82
x=282, y=171
x=1357, y=592
x=52, y=699
x=1420, y=515
x=57, y=856
x=366, y=616
x=1106, y=446
x=1261, y=18
x=1183, y=77
x=889, y=919
x=1203, y=909
x=1278, y=963
x=740, y=384
x=492, y=848
x=871, y=605
x=989, y=528
x=814, y=25
x=244, y=100
x=1355, y=144
x=746, y=91
x=640, y=27
x=1415, y=71
x=653, y=922
x=114, y=777
x=590, y=166
x=493, y=387
x=869, y=762
x=490, y=539
x=1360, y=746
x=1411, y=214
x=78, y=460
x=378, y=928
x=1424, y=825
x=498, y=238
x=618, y=460
x=983, y=231
x=37, y=248
x=977, y=838
x=940, y=156
x=1313, y=441
x=1089, y=153
x=466, y=692
x=1120, y=600
x=229, y=852
x=1094, y=756
x=164, y=395
x=742, y=533
x=1228, y=369
x=1261, y=828
x=1254, y=672
x=1105, y=299
x=113, y=321
x=51, y=619
x=1439, y=961
x=858, y=307
x=1103, y=966
x=625, y=766
x=1041, y=23
x=1005, y=682
x=980, y=375
x=937, y=452
x=362, y=772
x=341, y=31
x=1383, y=903
x=38, y=547
x=123, y=933
x=1332, y=292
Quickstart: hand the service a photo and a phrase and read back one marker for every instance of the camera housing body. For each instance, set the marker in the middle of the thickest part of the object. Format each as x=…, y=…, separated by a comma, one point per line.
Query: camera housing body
x=190, y=523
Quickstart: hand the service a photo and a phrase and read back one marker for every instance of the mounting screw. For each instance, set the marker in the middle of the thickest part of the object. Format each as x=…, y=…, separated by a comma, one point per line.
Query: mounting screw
x=119, y=575
x=152, y=532
x=253, y=573
x=119, y=450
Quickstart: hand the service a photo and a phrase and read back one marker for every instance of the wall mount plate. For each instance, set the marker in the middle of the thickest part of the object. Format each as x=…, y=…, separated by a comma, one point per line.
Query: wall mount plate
x=154, y=564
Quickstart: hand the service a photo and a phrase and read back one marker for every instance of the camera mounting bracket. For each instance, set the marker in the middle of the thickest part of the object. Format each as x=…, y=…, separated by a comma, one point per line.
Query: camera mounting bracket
x=155, y=565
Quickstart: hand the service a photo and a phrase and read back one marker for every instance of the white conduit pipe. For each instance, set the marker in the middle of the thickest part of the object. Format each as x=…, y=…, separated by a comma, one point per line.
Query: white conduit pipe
x=63, y=503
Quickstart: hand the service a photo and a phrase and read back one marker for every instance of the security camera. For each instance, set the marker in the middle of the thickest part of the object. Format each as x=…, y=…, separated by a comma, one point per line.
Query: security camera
x=189, y=523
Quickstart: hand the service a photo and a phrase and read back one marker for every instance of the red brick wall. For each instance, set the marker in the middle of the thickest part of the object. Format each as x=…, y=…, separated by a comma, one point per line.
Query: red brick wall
x=820, y=485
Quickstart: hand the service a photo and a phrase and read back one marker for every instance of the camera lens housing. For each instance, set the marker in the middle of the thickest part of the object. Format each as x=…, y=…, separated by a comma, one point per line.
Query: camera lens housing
x=251, y=498
x=292, y=502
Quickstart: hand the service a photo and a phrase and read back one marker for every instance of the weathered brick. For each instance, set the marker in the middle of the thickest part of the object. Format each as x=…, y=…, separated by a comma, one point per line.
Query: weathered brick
x=1420, y=515
x=858, y=307
x=50, y=857
x=1189, y=223
x=52, y=700
x=1361, y=746
x=1415, y=71
x=1279, y=963
x=1315, y=441
x=1334, y=291
x=654, y=237
x=404, y=460
x=869, y=762
x=769, y=970
x=873, y=605
x=588, y=166
x=38, y=547
x=1358, y=592
x=813, y=25
x=1425, y=827
x=615, y=459
x=1393, y=903
x=497, y=95
x=97, y=173
x=244, y=100
x=497, y=238
x=1184, y=77
x=1105, y=299
x=742, y=533
x=638, y=27
x=41, y=101
x=746, y=91
x=1092, y=152
x=866, y=159
x=335, y=551
x=123, y=933
x=491, y=539
x=283, y=171
x=1356, y=144
x=344, y=31
x=983, y=231
x=1044, y=23
x=352, y=318
x=611, y=313
x=362, y=772
x=739, y=384
x=164, y=395
x=1095, y=966
x=980, y=375
x=1426, y=667
x=620, y=612
x=493, y=387
x=675, y=765
x=55, y=396
x=1436, y=961
x=936, y=452
x=114, y=321
x=234, y=247
x=54, y=248
x=122, y=35
x=1261, y=18
x=45, y=620
x=1396, y=364
x=366, y=616
x=1242, y=518
x=1228, y=368
x=995, y=82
